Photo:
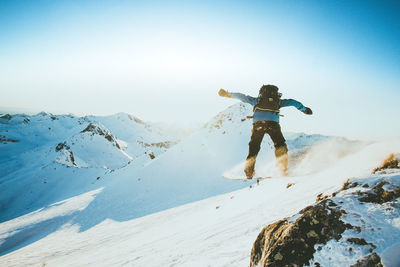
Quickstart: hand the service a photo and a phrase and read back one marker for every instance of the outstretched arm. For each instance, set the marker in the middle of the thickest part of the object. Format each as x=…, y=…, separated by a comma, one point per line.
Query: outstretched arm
x=296, y=104
x=242, y=97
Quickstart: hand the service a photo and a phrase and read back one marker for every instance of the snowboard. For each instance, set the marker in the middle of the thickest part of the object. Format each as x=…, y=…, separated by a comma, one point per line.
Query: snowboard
x=257, y=178
x=245, y=179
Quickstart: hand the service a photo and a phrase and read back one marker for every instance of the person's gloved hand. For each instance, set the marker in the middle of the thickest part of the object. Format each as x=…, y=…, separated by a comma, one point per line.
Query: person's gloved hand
x=224, y=93
x=307, y=111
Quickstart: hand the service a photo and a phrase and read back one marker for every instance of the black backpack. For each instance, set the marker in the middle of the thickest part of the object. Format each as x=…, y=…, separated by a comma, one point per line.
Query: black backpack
x=268, y=99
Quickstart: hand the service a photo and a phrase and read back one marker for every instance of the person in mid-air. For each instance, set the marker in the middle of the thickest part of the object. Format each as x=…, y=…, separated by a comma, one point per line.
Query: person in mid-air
x=266, y=120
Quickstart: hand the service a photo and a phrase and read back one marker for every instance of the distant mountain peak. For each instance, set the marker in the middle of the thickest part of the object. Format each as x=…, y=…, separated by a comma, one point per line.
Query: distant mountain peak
x=234, y=114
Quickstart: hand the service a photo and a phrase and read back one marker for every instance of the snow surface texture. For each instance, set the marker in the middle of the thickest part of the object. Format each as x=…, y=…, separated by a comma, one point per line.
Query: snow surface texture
x=56, y=214
x=375, y=223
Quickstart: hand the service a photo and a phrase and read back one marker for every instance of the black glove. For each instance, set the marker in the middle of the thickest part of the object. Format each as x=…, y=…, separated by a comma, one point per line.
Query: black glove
x=224, y=93
x=308, y=111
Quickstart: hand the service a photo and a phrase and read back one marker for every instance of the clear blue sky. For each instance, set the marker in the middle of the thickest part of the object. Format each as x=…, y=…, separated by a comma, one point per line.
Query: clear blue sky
x=166, y=60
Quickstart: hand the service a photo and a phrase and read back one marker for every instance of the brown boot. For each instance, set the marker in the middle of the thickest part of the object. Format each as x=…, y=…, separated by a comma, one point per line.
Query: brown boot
x=249, y=167
x=282, y=159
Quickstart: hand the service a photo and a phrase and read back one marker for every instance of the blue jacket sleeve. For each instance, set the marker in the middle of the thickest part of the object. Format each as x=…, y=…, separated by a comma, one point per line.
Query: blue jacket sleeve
x=293, y=103
x=245, y=98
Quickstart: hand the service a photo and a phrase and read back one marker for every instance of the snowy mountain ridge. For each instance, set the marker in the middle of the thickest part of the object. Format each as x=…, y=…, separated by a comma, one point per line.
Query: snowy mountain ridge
x=45, y=147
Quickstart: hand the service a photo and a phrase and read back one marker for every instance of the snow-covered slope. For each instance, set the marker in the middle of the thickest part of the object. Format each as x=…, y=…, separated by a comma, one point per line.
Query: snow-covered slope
x=46, y=158
x=218, y=231
x=188, y=171
x=58, y=157
x=125, y=169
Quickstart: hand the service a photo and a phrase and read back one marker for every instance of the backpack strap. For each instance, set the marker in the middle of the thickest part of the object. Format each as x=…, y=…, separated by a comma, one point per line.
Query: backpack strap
x=266, y=109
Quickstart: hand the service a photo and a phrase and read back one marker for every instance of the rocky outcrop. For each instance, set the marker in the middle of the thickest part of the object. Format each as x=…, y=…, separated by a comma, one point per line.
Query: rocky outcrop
x=5, y=140
x=6, y=117
x=93, y=129
x=344, y=219
x=372, y=260
x=379, y=194
x=135, y=119
x=292, y=243
x=67, y=152
x=61, y=146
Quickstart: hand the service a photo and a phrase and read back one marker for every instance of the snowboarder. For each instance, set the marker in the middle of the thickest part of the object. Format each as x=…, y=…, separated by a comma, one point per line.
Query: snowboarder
x=266, y=120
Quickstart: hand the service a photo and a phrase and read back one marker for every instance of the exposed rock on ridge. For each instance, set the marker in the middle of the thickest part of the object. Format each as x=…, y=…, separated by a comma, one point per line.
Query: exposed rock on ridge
x=97, y=129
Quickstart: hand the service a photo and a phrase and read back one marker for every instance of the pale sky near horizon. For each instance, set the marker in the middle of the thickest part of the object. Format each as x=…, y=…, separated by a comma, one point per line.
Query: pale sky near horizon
x=166, y=60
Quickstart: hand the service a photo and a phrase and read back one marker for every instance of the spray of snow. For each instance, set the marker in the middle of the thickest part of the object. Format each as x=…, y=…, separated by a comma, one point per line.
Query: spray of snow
x=305, y=160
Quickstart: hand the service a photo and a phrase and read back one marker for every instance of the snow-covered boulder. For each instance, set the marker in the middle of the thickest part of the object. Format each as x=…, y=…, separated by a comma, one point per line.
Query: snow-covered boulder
x=291, y=241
